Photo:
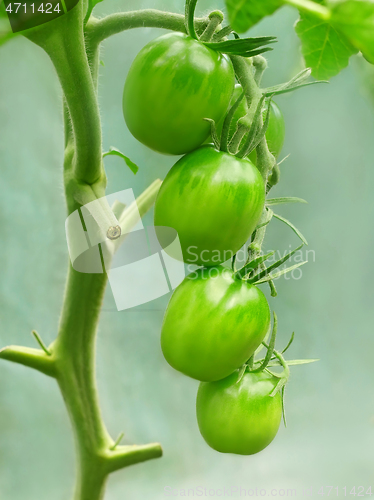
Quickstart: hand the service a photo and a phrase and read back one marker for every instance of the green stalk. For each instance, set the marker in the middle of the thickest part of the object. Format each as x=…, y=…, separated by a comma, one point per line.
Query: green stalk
x=253, y=94
x=71, y=358
x=97, y=30
x=63, y=40
x=215, y=19
x=74, y=351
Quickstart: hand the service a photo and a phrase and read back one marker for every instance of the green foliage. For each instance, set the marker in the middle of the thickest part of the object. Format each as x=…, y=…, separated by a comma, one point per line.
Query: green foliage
x=245, y=13
x=330, y=33
x=325, y=49
x=5, y=29
x=115, y=152
x=355, y=18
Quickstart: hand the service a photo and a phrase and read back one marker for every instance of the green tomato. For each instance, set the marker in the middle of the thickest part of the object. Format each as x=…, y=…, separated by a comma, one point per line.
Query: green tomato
x=173, y=84
x=214, y=202
x=239, y=416
x=213, y=324
x=276, y=130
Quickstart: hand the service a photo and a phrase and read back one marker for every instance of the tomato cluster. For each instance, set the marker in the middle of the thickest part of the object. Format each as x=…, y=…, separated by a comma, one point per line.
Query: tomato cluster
x=215, y=321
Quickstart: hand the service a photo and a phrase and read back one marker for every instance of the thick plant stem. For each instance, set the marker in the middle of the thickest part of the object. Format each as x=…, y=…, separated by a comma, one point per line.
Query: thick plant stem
x=63, y=40
x=71, y=358
x=75, y=359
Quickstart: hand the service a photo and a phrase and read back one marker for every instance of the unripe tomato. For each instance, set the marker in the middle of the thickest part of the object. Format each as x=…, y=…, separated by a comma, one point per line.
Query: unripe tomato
x=213, y=324
x=173, y=84
x=214, y=201
x=239, y=416
x=275, y=132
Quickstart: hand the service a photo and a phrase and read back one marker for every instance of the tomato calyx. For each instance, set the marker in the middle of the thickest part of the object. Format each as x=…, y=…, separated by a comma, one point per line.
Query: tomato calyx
x=273, y=358
x=255, y=272
x=246, y=47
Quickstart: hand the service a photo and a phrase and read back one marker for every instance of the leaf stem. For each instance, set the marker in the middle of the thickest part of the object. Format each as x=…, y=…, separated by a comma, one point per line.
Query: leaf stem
x=33, y=358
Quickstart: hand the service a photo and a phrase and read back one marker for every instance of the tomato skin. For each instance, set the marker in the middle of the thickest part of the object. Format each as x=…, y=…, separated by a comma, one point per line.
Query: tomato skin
x=173, y=84
x=239, y=416
x=276, y=130
x=214, y=201
x=213, y=324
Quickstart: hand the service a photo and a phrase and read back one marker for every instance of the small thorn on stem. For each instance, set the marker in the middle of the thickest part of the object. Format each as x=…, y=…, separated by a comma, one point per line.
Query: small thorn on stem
x=40, y=342
x=117, y=442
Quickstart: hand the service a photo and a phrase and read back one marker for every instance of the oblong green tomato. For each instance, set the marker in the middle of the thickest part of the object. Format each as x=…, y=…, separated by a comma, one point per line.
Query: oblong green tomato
x=214, y=202
x=173, y=84
x=213, y=324
x=275, y=133
x=239, y=416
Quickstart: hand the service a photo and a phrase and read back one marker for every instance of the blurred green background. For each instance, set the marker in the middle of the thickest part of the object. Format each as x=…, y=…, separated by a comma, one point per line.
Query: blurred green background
x=330, y=406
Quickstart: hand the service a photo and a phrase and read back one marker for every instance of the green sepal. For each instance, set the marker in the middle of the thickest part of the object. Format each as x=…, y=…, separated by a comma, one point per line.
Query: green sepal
x=227, y=123
x=289, y=343
x=226, y=31
x=270, y=349
x=253, y=132
x=279, y=273
x=245, y=47
x=294, y=229
x=213, y=132
x=259, y=277
x=115, y=152
x=252, y=265
x=278, y=90
x=297, y=82
x=283, y=200
x=293, y=362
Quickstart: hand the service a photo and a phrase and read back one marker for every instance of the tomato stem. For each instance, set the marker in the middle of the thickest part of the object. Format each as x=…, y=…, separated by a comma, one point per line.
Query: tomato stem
x=215, y=19
x=270, y=347
x=245, y=74
x=227, y=124
x=190, y=18
x=260, y=64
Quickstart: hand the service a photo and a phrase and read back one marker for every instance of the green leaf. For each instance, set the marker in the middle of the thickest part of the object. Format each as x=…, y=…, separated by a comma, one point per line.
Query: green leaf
x=245, y=47
x=279, y=262
x=355, y=19
x=279, y=273
x=325, y=49
x=115, y=152
x=284, y=200
x=6, y=32
x=245, y=13
x=294, y=229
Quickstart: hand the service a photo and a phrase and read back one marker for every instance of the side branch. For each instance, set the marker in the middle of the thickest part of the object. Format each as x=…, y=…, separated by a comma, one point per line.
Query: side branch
x=98, y=30
x=123, y=456
x=33, y=358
